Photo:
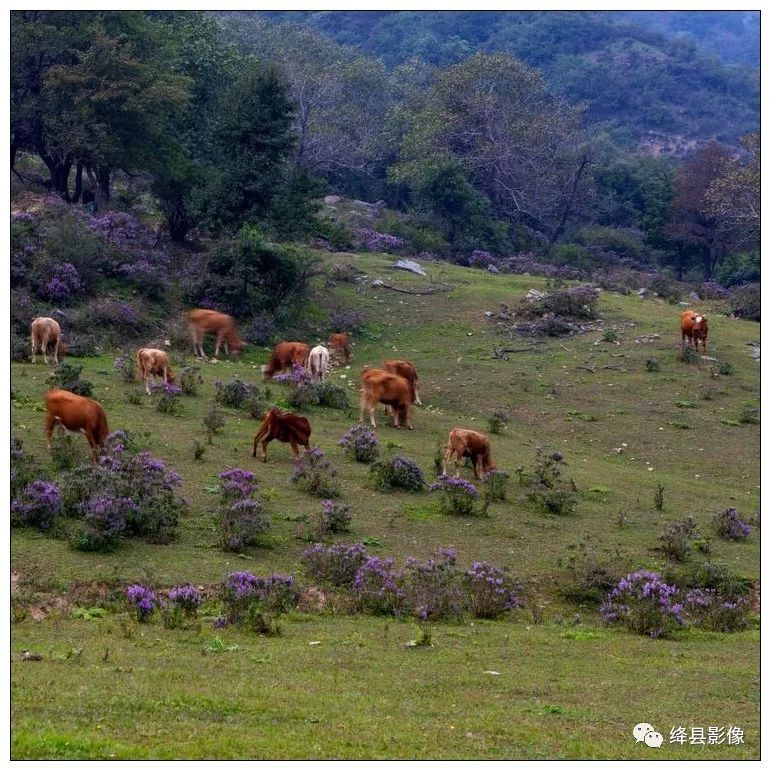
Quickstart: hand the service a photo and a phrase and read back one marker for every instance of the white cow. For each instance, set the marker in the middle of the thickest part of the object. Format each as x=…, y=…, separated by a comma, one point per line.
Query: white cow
x=318, y=363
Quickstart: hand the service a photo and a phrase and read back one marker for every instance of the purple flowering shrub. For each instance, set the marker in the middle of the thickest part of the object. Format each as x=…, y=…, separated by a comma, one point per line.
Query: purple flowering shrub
x=104, y=523
x=457, y=496
x=24, y=468
x=370, y=240
x=730, y=525
x=241, y=517
x=495, y=485
x=256, y=603
x=149, y=278
x=712, y=290
x=123, y=230
x=240, y=395
x=143, y=601
x=335, y=564
x=432, y=589
x=125, y=367
x=314, y=474
x=62, y=284
x=341, y=321
x=38, y=505
x=489, y=590
x=590, y=574
x=168, y=400
x=480, y=258
x=377, y=587
x=67, y=377
x=189, y=379
x=397, y=472
x=643, y=603
x=706, y=608
x=335, y=518
x=261, y=331
x=360, y=443
x=126, y=319
x=181, y=604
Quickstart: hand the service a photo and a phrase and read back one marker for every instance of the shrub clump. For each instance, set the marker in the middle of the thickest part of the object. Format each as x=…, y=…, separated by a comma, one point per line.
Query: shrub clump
x=398, y=472
x=241, y=518
x=589, y=575
x=181, y=605
x=707, y=609
x=334, y=564
x=433, y=588
x=547, y=490
x=257, y=603
x=643, y=603
x=314, y=474
x=458, y=497
x=124, y=366
x=677, y=538
x=495, y=486
x=377, y=587
x=168, y=402
x=335, y=518
x=489, y=590
x=730, y=525
x=189, y=379
x=360, y=443
x=67, y=377
x=104, y=523
x=38, y=505
x=143, y=601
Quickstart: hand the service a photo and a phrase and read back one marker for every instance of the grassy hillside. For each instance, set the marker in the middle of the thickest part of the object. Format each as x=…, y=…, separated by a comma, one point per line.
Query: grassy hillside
x=117, y=689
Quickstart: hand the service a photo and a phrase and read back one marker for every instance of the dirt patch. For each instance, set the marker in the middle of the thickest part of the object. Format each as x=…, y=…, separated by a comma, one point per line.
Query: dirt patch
x=47, y=607
x=15, y=578
x=91, y=591
x=526, y=415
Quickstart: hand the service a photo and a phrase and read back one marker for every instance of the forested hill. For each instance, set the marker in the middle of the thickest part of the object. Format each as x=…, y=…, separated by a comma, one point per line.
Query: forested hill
x=655, y=79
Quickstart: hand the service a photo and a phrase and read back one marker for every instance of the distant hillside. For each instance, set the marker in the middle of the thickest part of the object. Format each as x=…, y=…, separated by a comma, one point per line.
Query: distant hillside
x=652, y=78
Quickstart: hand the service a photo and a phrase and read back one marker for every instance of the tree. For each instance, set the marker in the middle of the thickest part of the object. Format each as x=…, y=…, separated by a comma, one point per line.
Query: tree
x=246, y=275
x=111, y=108
x=446, y=197
x=523, y=147
x=693, y=228
x=734, y=197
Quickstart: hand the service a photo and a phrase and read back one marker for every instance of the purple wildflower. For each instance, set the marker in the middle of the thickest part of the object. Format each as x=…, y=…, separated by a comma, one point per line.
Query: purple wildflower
x=40, y=502
x=143, y=600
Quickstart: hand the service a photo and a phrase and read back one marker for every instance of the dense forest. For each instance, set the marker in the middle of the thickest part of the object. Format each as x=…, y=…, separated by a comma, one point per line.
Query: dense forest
x=485, y=135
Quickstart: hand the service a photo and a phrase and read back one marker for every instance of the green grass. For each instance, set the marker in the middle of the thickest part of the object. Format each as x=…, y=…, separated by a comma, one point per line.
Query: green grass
x=621, y=434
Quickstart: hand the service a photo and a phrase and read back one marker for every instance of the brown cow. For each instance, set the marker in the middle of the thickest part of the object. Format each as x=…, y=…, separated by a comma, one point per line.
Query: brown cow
x=340, y=347
x=284, y=426
x=152, y=362
x=469, y=443
x=284, y=355
x=406, y=370
x=45, y=333
x=78, y=414
x=201, y=321
x=380, y=387
x=694, y=328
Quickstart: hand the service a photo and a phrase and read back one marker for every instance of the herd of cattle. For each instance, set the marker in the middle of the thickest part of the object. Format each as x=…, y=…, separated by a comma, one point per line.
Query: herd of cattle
x=396, y=386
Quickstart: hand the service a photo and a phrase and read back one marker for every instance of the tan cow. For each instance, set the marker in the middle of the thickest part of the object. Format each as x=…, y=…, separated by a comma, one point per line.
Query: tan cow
x=406, y=370
x=77, y=414
x=284, y=355
x=153, y=362
x=340, y=347
x=202, y=321
x=380, y=387
x=469, y=443
x=45, y=333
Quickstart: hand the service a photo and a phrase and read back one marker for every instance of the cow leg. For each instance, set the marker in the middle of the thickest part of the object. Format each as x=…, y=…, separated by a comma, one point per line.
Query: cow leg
x=264, y=449
x=92, y=443
x=50, y=424
x=45, y=348
x=33, y=350
x=371, y=417
x=220, y=338
x=294, y=447
x=408, y=416
x=447, y=458
x=58, y=340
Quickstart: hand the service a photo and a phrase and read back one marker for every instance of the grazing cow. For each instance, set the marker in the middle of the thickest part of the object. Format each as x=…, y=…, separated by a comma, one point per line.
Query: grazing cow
x=406, y=370
x=284, y=355
x=318, y=363
x=78, y=414
x=284, y=426
x=152, y=362
x=340, y=347
x=201, y=321
x=45, y=333
x=468, y=443
x=380, y=387
x=695, y=328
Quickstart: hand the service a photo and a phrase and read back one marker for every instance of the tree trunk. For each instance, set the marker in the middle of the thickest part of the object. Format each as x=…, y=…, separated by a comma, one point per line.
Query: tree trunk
x=78, y=183
x=178, y=222
x=557, y=233
x=60, y=173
